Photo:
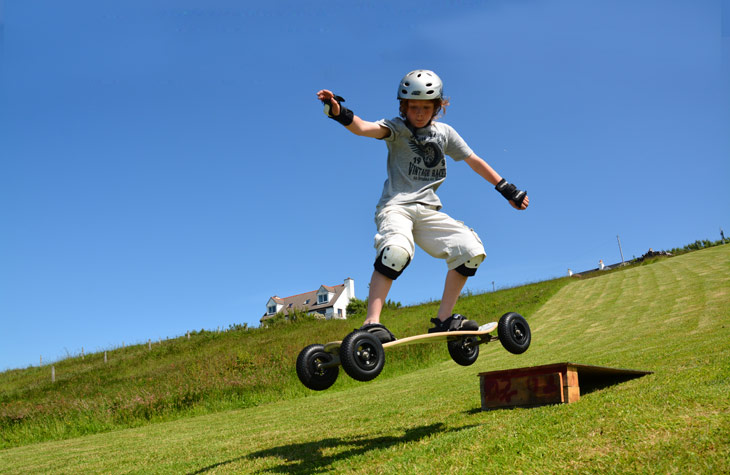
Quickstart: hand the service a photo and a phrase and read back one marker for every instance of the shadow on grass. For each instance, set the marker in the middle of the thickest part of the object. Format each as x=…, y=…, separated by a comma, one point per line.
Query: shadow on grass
x=317, y=456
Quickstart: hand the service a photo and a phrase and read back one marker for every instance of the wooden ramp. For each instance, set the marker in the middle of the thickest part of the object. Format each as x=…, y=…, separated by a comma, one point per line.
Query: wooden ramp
x=548, y=384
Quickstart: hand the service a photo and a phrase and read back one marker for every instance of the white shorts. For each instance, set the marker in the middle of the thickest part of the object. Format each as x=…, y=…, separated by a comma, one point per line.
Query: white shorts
x=435, y=232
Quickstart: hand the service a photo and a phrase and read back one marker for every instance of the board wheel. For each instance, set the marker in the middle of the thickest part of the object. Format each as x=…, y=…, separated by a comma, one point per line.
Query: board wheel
x=310, y=371
x=514, y=333
x=362, y=355
x=464, y=351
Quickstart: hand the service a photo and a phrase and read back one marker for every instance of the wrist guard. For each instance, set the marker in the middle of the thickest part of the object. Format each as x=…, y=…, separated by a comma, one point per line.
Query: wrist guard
x=345, y=117
x=510, y=192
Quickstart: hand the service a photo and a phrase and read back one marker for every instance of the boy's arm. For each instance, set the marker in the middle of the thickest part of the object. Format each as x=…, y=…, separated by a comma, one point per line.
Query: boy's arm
x=482, y=168
x=358, y=126
x=488, y=173
x=368, y=129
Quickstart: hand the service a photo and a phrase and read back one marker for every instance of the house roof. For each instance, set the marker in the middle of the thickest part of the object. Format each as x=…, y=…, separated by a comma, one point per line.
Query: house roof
x=299, y=301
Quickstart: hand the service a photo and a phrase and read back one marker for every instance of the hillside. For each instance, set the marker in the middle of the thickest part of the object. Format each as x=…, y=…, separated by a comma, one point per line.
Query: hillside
x=210, y=372
x=670, y=317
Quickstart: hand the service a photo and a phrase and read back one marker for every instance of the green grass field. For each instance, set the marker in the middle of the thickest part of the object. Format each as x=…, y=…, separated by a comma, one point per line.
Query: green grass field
x=209, y=373
x=671, y=317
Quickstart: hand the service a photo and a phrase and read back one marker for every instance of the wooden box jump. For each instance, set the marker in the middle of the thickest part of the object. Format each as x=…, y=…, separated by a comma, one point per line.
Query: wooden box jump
x=548, y=384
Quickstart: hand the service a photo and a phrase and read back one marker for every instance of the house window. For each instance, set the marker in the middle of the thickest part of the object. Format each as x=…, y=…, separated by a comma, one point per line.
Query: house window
x=322, y=298
x=339, y=312
x=272, y=309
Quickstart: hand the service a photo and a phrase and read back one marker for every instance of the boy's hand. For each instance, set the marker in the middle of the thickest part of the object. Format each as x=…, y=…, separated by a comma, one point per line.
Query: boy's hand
x=331, y=104
x=334, y=109
x=517, y=198
x=525, y=203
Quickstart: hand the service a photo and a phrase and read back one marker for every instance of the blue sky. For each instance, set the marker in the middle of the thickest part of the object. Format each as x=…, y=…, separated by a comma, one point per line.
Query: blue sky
x=165, y=165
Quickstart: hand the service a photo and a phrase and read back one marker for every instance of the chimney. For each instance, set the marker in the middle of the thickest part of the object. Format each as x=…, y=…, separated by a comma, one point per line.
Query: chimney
x=350, y=288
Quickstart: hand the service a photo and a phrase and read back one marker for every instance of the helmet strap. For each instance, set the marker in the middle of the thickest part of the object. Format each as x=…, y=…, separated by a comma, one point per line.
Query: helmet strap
x=413, y=128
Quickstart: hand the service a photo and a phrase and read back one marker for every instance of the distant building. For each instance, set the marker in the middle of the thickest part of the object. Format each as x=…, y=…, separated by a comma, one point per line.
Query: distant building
x=329, y=302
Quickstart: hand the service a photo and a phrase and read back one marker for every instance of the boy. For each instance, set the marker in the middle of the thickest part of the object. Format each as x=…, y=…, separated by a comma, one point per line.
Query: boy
x=408, y=210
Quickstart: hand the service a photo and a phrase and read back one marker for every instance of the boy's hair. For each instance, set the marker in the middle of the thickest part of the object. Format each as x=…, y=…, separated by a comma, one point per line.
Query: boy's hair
x=439, y=107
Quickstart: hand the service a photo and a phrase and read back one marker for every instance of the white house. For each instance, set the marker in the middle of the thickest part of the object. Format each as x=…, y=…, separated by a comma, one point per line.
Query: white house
x=329, y=302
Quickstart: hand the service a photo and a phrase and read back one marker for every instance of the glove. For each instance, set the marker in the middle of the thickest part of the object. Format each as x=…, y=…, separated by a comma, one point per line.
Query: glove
x=345, y=117
x=510, y=192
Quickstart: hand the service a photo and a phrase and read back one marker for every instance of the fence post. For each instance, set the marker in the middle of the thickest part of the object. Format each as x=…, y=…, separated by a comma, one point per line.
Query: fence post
x=105, y=357
x=82, y=352
x=41, y=360
x=149, y=344
x=53, y=374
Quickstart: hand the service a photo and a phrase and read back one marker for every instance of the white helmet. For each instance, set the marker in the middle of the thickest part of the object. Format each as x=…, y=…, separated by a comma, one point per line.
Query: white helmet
x=420, y=84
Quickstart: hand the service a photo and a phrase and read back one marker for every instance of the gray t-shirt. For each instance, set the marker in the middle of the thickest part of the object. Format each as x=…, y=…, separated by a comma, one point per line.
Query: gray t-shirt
x=417, y=163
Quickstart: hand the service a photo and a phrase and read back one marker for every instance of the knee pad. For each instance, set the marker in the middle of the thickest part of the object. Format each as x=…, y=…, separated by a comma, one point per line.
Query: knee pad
x=392, y=261
x=469, y=268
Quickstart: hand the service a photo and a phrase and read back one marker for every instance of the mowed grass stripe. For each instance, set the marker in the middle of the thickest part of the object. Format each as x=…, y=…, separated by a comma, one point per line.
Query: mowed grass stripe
x=685, y=296
x=670, y=317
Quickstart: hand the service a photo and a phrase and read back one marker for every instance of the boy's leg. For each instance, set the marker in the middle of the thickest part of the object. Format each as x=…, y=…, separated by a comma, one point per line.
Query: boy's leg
x=379, y=289
x=446, y=321
x=452, y=289
x=395, y=228
x=443, y=237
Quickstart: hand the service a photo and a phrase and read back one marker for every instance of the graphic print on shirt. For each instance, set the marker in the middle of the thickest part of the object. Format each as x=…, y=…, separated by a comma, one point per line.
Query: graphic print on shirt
x=429, y=163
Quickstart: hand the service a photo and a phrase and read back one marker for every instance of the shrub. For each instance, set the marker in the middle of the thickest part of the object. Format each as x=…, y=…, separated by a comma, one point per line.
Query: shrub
x=294, y=316
x=357, y=308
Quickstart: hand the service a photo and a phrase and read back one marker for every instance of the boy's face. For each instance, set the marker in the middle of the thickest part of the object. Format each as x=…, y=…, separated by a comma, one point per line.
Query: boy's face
x=419, y=112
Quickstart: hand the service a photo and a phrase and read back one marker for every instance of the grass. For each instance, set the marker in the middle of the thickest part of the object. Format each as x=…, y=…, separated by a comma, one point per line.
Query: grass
x=671, y=317
x=209, y=373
